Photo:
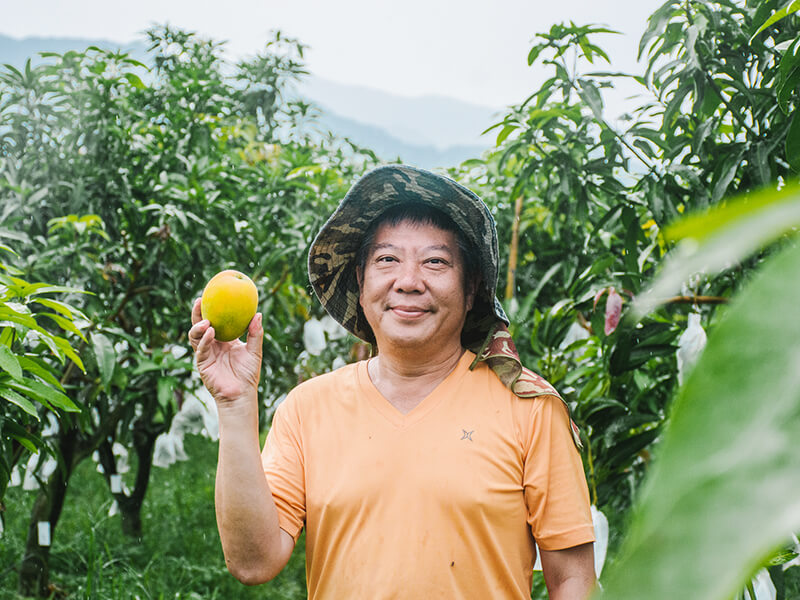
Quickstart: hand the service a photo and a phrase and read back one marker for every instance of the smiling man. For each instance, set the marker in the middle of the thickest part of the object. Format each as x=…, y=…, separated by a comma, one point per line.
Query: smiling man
x=431, y=470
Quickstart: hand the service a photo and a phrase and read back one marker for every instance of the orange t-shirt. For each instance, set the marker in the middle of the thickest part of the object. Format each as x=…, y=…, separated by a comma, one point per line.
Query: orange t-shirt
x=442, y=502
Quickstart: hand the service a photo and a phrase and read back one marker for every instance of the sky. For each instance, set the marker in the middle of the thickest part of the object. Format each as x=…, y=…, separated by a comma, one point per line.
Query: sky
x=474, y=50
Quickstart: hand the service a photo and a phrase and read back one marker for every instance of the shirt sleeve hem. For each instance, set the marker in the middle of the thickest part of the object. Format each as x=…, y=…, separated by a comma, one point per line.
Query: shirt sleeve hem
x=289, y=527
x=562, y=541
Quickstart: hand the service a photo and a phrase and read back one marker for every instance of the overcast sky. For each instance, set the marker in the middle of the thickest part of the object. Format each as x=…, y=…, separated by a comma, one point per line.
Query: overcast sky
x=474, y=50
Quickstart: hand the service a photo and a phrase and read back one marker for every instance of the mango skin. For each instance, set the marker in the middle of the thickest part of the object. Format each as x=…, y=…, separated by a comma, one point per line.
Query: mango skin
x=229, y=302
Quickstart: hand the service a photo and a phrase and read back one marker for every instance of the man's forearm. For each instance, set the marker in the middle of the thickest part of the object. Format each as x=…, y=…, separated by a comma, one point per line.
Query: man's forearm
x=255, y=547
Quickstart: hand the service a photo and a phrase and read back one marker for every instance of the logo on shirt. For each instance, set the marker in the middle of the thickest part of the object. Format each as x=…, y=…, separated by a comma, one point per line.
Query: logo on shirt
x=467, y=435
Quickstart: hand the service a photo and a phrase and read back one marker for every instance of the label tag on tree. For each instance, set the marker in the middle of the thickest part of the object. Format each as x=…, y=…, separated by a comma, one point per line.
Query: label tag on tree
x=43, y=529
x=116, y=483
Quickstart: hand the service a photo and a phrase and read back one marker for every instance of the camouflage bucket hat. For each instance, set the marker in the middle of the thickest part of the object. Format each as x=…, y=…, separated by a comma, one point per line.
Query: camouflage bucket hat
x=332, y=257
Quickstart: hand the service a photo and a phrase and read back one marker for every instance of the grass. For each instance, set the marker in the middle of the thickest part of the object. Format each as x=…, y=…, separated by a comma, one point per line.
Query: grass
x=179, y=556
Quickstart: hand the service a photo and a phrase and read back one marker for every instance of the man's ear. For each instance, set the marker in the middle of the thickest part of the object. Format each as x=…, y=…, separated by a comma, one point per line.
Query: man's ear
x=471, y=291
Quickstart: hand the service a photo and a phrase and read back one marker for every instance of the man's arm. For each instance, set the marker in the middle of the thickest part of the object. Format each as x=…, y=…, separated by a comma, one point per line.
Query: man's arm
x=569, y=573
x=255, y=547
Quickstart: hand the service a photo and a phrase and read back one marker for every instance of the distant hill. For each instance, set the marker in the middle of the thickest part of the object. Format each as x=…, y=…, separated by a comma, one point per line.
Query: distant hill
x=17, y=51
x=390, y=148
x=428, y=120
x=426, y=131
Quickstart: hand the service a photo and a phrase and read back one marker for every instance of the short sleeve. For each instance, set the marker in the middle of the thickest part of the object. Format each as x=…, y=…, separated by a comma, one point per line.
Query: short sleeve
x=556, y=494
x=282, y=459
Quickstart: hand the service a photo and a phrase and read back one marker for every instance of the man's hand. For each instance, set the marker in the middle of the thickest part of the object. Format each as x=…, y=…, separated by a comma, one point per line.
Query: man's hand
x=230, y=370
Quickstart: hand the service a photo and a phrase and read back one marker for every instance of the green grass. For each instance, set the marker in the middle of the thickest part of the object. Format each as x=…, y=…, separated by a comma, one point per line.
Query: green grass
x=179, y=556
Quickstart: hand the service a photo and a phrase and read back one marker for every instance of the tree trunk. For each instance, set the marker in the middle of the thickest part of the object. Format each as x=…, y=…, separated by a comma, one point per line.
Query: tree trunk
x=34, y=571
x=513, y=251
x=130, y=506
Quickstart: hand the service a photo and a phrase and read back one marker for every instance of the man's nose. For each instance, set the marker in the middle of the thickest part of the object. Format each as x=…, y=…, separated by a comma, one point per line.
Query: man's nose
x=409, y=278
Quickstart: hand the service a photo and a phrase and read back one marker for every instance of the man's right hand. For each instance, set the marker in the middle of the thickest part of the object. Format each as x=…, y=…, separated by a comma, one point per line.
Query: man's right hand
x=230, y=370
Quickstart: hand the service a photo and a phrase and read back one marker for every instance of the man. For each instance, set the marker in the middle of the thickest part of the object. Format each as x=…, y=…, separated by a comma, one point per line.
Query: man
x=429, y=470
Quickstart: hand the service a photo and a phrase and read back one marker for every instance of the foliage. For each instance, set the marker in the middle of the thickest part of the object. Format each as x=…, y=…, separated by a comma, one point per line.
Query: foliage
x=31, y=355
x=591, y=195
x=138, y=184
x=725, y=480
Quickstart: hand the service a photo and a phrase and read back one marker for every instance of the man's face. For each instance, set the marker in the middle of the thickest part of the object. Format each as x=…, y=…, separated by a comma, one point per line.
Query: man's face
x=412, y=289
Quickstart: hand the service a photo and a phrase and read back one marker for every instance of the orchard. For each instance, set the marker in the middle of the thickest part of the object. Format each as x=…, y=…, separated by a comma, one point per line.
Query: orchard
x=650, y=272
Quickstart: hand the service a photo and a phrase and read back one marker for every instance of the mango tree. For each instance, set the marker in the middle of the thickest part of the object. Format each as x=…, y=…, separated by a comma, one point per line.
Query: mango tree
x=145, y=183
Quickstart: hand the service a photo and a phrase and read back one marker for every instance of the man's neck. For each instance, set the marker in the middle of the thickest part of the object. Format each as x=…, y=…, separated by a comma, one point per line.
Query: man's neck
x=406, y=380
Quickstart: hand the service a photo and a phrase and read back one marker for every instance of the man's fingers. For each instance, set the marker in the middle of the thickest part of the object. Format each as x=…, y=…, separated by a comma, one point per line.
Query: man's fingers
x=255, y=335
x=197, y=332
x=204, y=344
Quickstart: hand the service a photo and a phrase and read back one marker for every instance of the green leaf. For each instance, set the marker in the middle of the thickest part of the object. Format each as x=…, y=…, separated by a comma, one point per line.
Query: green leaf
x=534, y=53
x=9, y=313
x=718, y=238
x=18, y=432
x=9, y=362
x=106, y=357
x=135, y=81
x=65, y=324
x=61, y=307
x=25, y=441
x=67, y=350
x=505, y=132
x=791, y=7
x=724, y=175
x=45, y=394
x=19, y=400
x=724, y=491
x=31, y=365
x=45, y=288
x=788, y=75
x=166, y=395
x=793, y=143
x=591, y=96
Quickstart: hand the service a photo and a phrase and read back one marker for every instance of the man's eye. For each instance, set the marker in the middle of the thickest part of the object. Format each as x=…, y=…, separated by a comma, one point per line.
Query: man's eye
x=437, y=261
x=385, y=259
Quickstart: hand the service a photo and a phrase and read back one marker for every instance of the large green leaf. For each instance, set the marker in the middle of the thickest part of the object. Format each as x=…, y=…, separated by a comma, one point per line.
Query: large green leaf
x=106, y=357
x=20, y=401
x=9, y=362
x=724, y=491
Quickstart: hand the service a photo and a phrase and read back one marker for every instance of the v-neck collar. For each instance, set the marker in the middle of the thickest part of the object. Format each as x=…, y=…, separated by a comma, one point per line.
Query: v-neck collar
x=394, y=416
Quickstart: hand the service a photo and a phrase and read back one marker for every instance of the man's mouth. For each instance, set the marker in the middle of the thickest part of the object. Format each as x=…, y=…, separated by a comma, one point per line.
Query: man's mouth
x=408, y=312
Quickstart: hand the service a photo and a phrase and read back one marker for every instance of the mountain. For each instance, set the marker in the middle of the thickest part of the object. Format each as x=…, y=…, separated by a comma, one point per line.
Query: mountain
x=428, y=120
x=17, y=51
x=429, y=131
x=391, y=148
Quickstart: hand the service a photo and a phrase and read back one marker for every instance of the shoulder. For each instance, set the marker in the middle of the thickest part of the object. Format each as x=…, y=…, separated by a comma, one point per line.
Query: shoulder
x=533, y=399
x=533, y=385
x=514, y=380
